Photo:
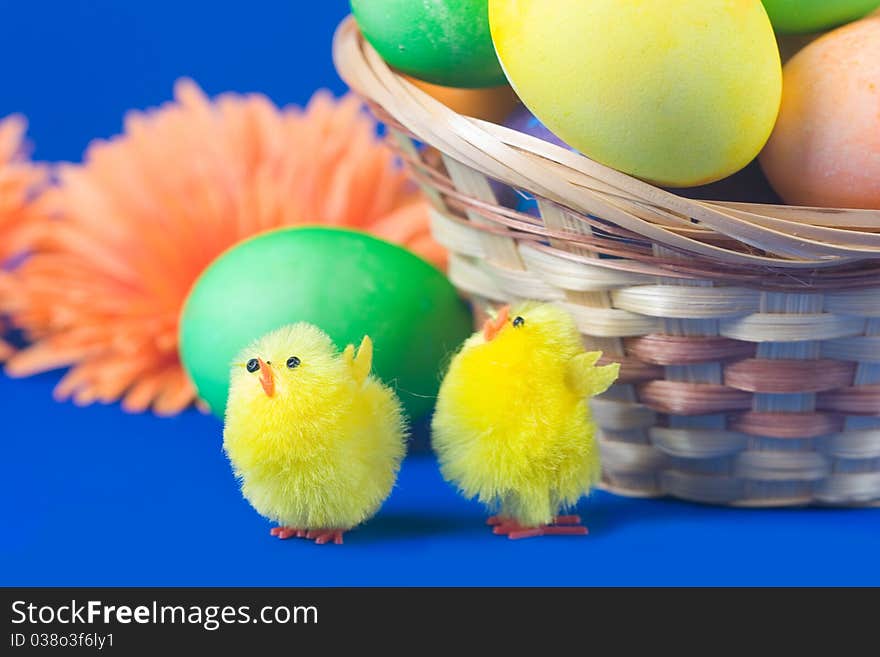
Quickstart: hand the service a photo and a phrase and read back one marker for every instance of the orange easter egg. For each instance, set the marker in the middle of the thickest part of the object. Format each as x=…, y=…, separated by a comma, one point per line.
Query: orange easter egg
x=490, y=104
x=825, y=149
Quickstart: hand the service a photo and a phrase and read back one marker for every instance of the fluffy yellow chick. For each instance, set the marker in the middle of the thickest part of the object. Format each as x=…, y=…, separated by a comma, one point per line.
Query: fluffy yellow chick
x=314, y=439
x=512, y=425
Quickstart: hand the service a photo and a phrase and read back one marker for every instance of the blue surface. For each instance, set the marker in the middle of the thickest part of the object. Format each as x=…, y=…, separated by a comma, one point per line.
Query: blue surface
x=96, y=497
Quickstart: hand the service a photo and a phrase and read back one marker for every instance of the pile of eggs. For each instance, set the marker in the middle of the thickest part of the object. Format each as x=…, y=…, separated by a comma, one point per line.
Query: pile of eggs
x=680, y=93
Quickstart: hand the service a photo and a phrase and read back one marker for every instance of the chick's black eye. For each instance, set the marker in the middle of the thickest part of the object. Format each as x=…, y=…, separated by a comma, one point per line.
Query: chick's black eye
x=253, y=365
x=518, y=322
x=293, y=362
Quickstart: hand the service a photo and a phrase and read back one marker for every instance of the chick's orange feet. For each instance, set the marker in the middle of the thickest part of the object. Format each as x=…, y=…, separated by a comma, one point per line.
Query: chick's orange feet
x=287, y=532
x=320, y=536
x=562, y=526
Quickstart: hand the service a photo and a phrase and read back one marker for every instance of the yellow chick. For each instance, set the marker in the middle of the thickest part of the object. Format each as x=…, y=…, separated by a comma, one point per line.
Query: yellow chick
x=315, y=440
x=512, y=426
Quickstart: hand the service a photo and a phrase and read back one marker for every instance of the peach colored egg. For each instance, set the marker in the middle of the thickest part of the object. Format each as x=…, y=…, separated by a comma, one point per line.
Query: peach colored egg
x=825, y=149
x=490, y=104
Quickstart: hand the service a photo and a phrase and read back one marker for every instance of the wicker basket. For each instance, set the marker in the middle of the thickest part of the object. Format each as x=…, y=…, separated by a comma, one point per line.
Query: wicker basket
x=749, y=335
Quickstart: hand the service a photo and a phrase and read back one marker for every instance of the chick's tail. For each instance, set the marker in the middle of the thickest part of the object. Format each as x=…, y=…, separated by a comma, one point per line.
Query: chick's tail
x=362, y=363
x=588, y=380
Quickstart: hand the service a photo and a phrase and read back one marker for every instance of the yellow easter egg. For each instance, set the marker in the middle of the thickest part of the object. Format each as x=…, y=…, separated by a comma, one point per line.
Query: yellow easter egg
x=825, y=150
x=679, y=93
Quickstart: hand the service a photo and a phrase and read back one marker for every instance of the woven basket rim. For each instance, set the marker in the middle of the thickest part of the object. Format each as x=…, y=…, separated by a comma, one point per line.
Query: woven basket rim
x=840, y=247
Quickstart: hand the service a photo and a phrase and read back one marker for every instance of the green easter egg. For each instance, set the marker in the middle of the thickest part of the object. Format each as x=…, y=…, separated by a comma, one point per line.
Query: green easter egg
x=445, y=42
x=347, y=283
x=805, y=16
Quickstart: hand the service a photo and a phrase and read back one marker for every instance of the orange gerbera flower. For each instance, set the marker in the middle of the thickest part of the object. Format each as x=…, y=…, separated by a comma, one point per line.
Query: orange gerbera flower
x=147, y=212
x=20, y=183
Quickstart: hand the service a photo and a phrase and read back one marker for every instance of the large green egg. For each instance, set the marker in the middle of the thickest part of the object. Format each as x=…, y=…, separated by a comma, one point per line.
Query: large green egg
x=347, y=283
x=444, y=42
x=804, y=16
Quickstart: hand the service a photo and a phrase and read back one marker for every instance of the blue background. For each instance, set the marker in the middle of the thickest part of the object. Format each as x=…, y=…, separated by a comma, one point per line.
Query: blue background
x=96, y=497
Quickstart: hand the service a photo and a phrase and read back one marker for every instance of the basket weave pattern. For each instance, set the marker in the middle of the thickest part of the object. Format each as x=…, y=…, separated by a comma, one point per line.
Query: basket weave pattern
x=749, y=336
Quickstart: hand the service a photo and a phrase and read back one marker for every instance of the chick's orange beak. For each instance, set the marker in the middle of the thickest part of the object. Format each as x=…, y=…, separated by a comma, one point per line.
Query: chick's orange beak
x=493, y=326
x=267, y=378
